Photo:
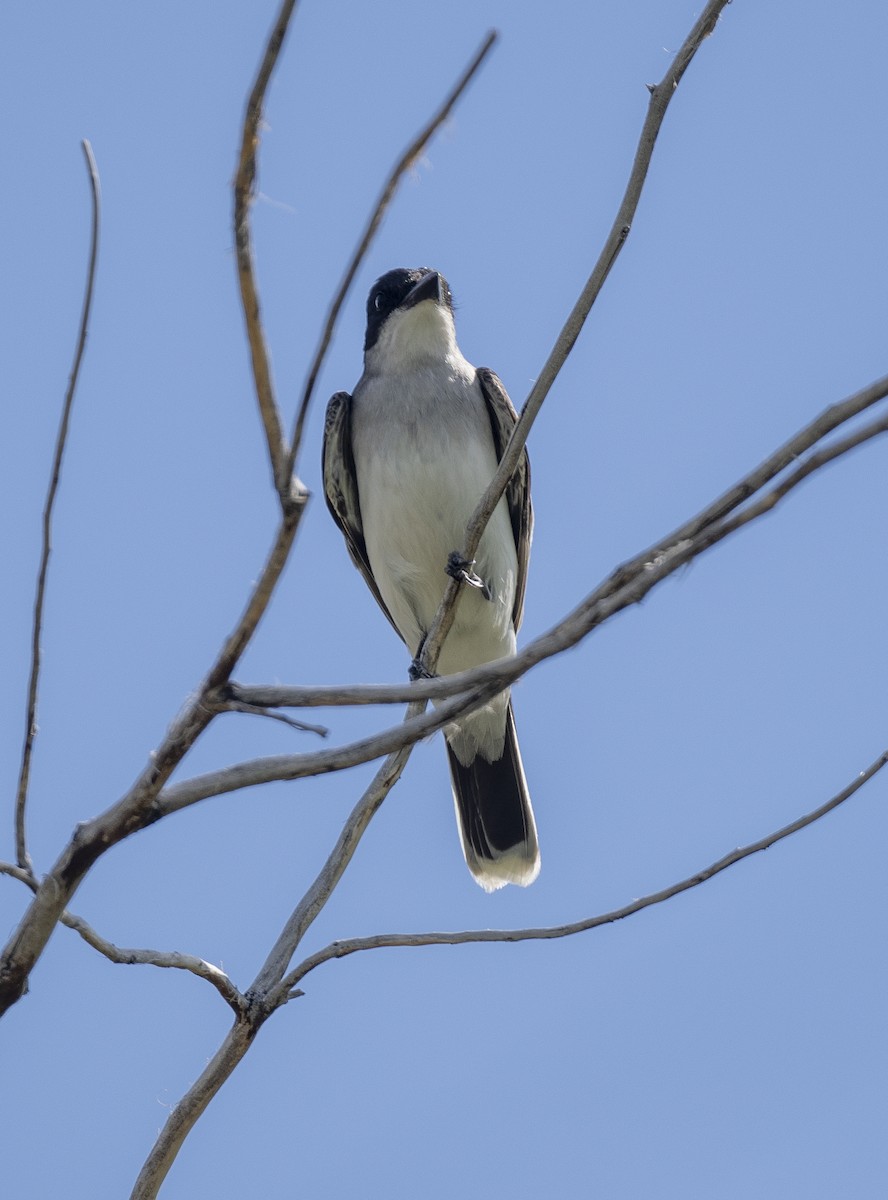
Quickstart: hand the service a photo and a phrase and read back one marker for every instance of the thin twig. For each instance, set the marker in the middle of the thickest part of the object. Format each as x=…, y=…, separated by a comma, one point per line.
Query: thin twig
x=661, y=95
x=260, y=710
x=404, y=163
x=21, y=800
x=22, y=874
x=244, y=185
x=341, y=949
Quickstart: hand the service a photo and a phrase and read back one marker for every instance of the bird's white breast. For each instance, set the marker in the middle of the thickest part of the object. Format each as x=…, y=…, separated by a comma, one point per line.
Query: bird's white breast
x=424, y=454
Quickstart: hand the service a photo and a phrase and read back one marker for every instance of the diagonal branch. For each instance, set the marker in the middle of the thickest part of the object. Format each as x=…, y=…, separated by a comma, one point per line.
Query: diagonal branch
x=266, y=993
x=21, y=845
x=268, y=980
x=244, y=190
x=661, y=94
x=382, y=941
x=404, y=163
x=807, y=437
x=261, y=710
x=416, y=725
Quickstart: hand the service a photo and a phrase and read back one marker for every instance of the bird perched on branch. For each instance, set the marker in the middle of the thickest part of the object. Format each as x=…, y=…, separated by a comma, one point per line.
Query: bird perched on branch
x=407, y=456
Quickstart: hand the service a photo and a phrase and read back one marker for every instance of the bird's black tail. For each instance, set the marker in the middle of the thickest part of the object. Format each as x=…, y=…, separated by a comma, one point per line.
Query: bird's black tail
x=494, y=815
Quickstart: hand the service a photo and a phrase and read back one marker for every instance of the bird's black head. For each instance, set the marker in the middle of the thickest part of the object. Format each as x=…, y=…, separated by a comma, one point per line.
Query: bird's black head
x=402, y=288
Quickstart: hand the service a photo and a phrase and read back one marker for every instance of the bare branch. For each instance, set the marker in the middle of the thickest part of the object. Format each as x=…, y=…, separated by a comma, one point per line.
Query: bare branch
x=274, y=768
x=813, y=463
x=21, y=845
x=191, y=1107
x=240, y=637
x=404, y=163
x=660, y=97
x=153, y=958
x=345, y=695
x=244, y=184
x=268, y=981
x=808, y=436
x=258, y=710
x=382, y=941
x=193, y=1104
x=22, y=874
x=159, y=958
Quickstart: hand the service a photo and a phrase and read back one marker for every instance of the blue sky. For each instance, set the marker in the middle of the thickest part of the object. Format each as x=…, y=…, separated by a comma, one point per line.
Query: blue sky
x=730, y=1043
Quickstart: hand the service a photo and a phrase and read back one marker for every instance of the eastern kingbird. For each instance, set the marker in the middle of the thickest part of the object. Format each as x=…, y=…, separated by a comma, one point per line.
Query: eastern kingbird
x=406, y=459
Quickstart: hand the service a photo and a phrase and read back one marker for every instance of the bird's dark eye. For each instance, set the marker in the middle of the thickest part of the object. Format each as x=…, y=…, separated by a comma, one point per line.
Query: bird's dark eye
x=379, y=302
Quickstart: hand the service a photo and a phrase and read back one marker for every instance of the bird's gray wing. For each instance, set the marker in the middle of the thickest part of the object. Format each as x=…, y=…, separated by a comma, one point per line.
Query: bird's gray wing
x=503, y=419
x=341, y=489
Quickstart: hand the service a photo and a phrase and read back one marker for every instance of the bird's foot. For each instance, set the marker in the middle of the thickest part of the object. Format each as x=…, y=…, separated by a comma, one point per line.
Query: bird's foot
x=416, y=670
x=462, y=570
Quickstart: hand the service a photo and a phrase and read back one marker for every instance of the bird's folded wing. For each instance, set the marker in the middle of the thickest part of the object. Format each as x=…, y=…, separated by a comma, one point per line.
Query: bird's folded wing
x=503, y=419
x=341, y=489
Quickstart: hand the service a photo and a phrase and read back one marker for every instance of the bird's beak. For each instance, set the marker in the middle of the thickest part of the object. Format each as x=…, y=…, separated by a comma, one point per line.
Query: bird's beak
x=429, y=287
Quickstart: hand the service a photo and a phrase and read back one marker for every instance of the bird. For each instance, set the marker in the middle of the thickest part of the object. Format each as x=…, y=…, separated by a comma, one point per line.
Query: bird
x=406, y=458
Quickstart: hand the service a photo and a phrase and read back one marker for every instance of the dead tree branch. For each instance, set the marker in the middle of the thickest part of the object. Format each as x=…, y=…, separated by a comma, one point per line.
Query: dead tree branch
x=341, y=949
x=661, y=94
x=21, y=800
x=153, y=958
x=244, y=185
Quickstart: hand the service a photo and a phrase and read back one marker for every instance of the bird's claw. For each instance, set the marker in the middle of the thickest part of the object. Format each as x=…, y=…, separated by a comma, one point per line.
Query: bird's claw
x=417, y=671
x=461, y=569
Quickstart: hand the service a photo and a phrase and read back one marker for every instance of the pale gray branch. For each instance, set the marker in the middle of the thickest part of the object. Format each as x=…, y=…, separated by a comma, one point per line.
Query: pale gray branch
x=153, y=958
x=268, y=980
x=807, y=437
x=278, y=767
x=261, y=710
x=191, y=1107
x=341, y=949
x=22, y=874
x=404, y=163
x=660, y=97
x=244, y=185
x=21, y=800
x=237, y=1042
x=158, y=958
